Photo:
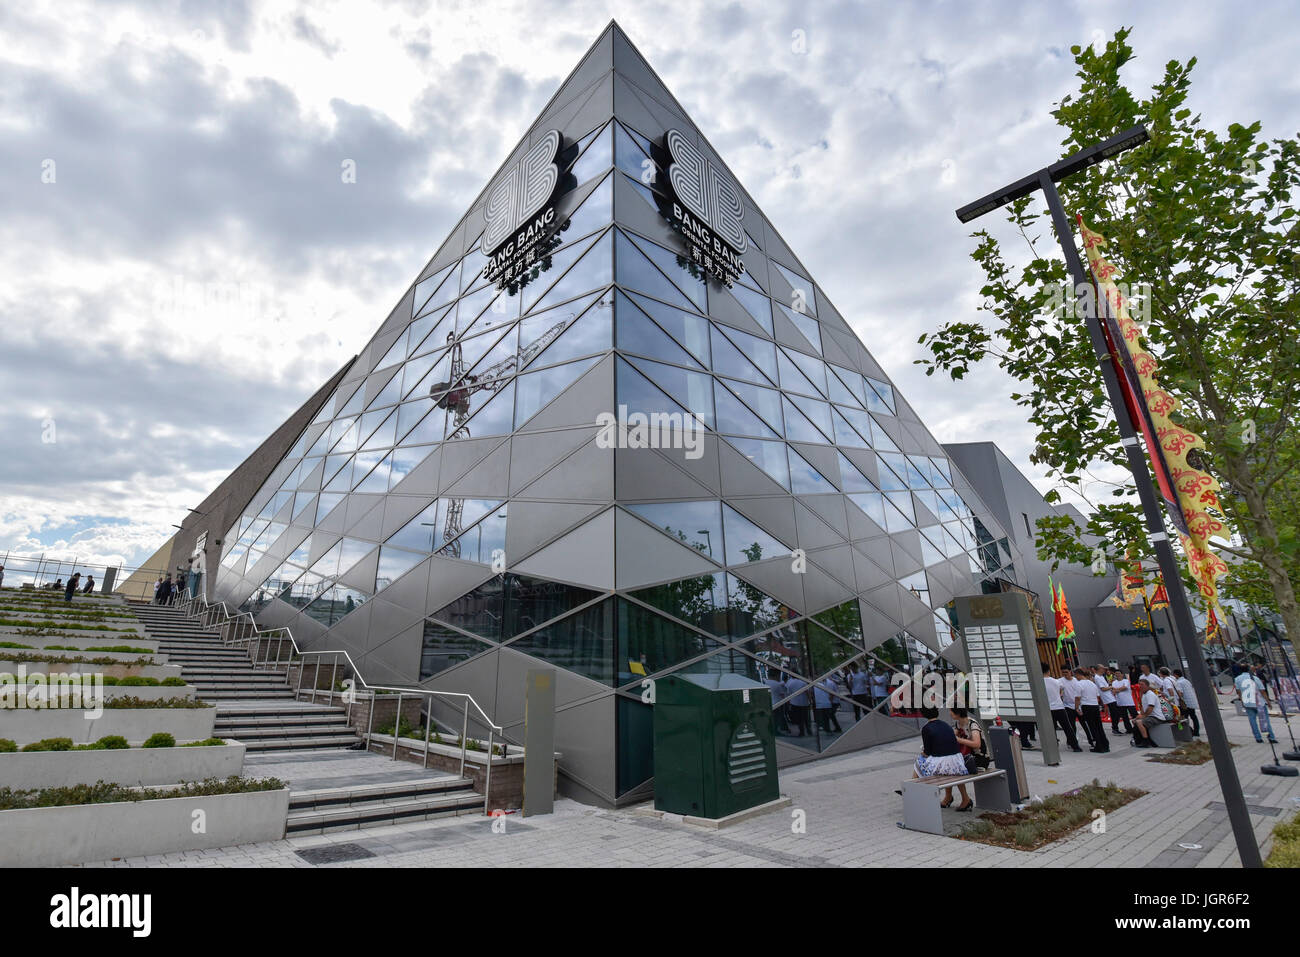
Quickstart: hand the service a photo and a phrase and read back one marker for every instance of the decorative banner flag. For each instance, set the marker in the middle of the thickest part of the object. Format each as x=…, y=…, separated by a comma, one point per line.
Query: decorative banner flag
x=1064, y=623
x=1211, y=627
x=1135, y=586
x=1188, y=492
x=1160, y=598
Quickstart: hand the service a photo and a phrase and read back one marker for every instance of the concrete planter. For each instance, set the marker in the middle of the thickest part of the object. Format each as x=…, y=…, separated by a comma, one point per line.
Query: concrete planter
x=130, y=768
x=112, y=631
x=56, y=836
x=24, y=726
x=124, y=669
x=507, y=770
x=83, y=642
x=147, y=692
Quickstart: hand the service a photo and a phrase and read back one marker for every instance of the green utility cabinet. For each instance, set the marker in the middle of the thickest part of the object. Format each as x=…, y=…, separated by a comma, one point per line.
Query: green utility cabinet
x=715, y=749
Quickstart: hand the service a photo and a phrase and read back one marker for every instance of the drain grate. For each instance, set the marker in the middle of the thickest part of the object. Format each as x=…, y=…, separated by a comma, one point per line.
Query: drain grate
x=333, y=853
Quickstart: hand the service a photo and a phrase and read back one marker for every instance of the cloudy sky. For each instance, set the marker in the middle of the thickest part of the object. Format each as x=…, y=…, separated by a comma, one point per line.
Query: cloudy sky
x=152, y=151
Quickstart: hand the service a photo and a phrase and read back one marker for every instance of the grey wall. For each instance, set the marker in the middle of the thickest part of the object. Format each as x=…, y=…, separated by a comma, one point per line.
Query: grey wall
x=1012, y=498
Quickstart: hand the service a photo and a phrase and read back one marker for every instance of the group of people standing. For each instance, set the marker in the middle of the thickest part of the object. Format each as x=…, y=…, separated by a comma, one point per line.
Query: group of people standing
x=165, y=590
x=817, y=701
x=1140, y=699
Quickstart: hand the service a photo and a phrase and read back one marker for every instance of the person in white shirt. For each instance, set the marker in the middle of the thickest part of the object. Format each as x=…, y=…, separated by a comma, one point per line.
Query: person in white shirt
x=1170, y=686
x=1073, y=706
x=1058, y=709
x=1123, y=706
x=1090, y=706
x=1190, y=702
x=1153, y=712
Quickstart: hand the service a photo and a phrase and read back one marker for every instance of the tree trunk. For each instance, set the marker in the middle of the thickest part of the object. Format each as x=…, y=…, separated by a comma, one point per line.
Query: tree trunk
x=1263, y=542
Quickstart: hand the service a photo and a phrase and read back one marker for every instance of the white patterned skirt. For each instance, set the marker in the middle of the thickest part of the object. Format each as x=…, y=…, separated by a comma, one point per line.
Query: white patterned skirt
x=928, y=767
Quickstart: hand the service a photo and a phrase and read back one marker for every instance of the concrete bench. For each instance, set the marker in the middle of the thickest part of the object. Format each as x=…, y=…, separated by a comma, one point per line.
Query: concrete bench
x=921, y=811
x=1162, y=735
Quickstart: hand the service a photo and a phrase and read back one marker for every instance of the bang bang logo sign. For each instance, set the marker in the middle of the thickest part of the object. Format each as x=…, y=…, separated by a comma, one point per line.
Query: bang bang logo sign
x=705, y=207
x=520, y=214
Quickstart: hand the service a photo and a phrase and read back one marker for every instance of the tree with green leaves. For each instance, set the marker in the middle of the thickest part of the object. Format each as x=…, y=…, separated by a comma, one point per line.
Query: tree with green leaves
x=1202, y=227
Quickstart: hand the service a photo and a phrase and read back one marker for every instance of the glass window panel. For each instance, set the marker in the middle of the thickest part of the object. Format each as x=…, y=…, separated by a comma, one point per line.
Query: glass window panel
x=696, y=525
x=326, y=505
x=797, y=426
x=628, y=156
x=354, y=404
x=476, y=304
x=342, y=481
x=799, y=284
x=480, y=611
x=403, y=461
x=898, y=510
x=596, y=158
x=645, y=192
x=335, y=605
x=635, y=724
x=365, y=461
x=436, y=338
x=635, y=391
x=535, y=389
x=845, y=434
x=768, y=456
x=890, y=479
x=351, y=551
x=700, y=600
x=385, y=435
x=391, y=394
x=593, y=271
x=735, y=417
x=430, y=428
x=556, y=265
x=596, y=210
x=393, y=564
x=426, y=288
x=377, y=479
x=636, y=332
x=756, y=304
x=825, y=651
x=811, y=367
x=766, y=402
x=752, y=610
x=804, y=479
x=420, y=534
x=885, y=391
x=649, y=643
x=634, y=271
x=746, y=542
x=443, y=648
x=582, y=643
x=851, y=477
x=676, y=268
x=395, y=354
x=838, y=392
x=303, y=501
x=471, y=268
x=728, y=360
x=494, y=417
x=686, y=328
x=483, y=542
x=871, y=503
x=418, y=330
x=588, y=333
x=845, y=620
x=792, y=377
x=692, y=389
x=535, y=601
x=538, y=331
x=327, y=566
x=852, y=381
x=457, y=515
x=806, y=324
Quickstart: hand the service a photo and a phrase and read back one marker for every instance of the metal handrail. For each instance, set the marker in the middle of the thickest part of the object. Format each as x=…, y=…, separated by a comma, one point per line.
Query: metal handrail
x=207, y=612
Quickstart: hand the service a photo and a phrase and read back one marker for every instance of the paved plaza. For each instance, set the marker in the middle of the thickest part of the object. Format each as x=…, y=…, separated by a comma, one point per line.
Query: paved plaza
x=847, y=806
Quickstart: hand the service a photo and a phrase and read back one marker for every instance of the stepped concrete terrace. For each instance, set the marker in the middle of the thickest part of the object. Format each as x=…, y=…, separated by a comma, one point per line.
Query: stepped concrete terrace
x=334, y=784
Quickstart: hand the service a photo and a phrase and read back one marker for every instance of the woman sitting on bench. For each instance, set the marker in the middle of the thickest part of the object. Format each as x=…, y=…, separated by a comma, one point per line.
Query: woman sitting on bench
x=941, y=754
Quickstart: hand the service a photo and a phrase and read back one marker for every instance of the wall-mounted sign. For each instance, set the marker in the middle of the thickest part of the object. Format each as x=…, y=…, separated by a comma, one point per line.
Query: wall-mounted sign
x=705, y=207
x=520, y=214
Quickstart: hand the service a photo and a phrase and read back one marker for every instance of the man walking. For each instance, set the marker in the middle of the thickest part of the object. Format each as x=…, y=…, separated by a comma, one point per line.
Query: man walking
x=1190, y=703
x=1070, y=691
x=1057, y=707
x=1254, y=698
x=1090, y=706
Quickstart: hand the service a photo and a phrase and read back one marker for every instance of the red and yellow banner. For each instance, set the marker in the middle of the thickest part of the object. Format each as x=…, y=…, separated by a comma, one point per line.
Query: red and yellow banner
x=1188, y=492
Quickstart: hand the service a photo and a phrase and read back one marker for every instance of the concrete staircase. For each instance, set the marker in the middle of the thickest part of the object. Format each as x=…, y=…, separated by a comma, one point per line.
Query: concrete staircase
x=292, y=739
x=254, y=705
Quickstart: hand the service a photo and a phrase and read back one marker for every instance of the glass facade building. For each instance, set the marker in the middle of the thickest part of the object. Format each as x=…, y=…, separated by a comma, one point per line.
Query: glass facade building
x=451, y=517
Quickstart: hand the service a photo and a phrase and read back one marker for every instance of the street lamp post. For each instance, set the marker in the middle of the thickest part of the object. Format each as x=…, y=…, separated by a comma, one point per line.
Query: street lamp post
x=1045, y=180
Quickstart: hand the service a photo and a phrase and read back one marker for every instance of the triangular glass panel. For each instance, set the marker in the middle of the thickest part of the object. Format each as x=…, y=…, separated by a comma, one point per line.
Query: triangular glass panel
x=582, y=331
x=697, y=525
x=700, y=600
x=639, y=394
x=806, y=480
x=483, y=542
x=768, y=456
x=442, y=648
x=686, y=328
x=593, y=271
x=596, y=157
x=403, y=461
x=730, y=361
x=629, y=157
x=555, y=265
x=426, y=288
x=851, y=478
x=675, y=267
x=420, y=534
x=752, y=610
x=582, y=642
x=811, y=367
x=633, y=270
x=766, y=402
x=806, y=324
x=648, y=643
x=844, y=620
x=845, y=434
x=534, y=390
x=746, y=542
x=733, y=416
x=692, y=389
x=756, y=304
x=326, y=504
x=597, y=210
x=803, y=289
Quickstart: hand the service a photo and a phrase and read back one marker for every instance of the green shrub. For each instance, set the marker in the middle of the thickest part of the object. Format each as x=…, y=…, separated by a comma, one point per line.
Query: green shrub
x=7, y=746
x=14, y=644
x=113, y=742
x=104, y=793
x=137, y=680
x=160, y=739
x=121, y=649
x=208, y=743
x=50, y=744
x=171, y=682
x=129, y=701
